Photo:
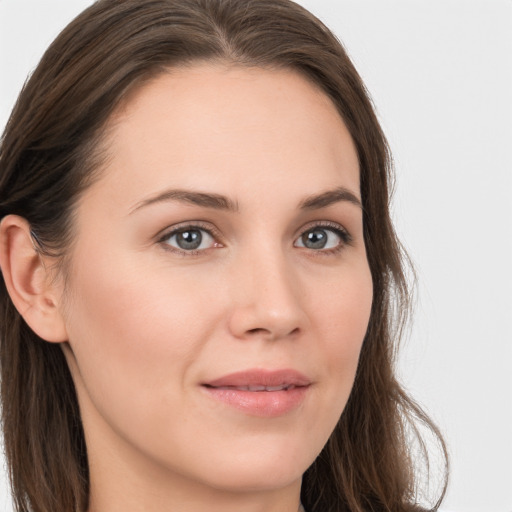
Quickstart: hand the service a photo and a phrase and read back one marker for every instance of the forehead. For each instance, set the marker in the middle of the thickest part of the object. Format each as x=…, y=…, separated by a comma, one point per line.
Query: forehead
x=215, y=126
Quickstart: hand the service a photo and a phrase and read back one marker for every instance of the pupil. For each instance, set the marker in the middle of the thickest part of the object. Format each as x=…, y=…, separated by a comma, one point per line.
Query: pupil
x=315, y=239
x=189, y=239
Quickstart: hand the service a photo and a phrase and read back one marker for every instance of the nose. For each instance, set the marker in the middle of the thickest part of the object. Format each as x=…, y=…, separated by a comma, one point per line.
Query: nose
x=267, y=300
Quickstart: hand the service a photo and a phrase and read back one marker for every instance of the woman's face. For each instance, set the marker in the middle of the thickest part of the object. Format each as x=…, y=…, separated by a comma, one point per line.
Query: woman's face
x=219, y=290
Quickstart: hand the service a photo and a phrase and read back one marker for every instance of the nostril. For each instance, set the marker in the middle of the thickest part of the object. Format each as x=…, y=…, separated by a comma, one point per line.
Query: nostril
x=258, y=330
x=268, y=333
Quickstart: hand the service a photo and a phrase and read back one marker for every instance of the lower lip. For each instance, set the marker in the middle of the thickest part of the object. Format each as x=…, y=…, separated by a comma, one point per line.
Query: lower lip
x=268, y=404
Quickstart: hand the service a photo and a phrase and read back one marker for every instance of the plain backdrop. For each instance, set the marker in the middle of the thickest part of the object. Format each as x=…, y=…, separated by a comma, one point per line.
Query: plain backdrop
x=440, y=74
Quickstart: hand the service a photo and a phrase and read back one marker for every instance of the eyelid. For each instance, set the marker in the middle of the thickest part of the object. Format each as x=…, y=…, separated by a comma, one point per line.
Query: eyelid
x=336, y=226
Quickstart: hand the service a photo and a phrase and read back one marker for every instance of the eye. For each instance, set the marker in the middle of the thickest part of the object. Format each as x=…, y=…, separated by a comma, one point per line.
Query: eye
x=189, y=239
x=323, y=238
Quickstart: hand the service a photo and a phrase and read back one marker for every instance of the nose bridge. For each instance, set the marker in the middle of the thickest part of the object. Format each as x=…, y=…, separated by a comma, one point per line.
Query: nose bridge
x=267, y=296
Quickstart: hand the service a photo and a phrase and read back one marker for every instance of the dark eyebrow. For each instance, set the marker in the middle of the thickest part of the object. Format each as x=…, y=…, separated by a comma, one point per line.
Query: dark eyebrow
x=206, y=200
x=330, y=197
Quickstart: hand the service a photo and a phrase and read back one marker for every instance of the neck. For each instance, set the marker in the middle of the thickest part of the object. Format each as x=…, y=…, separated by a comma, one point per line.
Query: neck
x=127, y=497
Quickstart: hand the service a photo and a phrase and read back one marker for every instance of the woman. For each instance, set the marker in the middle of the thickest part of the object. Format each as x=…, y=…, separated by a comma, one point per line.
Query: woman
x=201, y=278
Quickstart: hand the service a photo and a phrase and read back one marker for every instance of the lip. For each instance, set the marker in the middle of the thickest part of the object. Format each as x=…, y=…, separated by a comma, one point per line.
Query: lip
x=259, y=392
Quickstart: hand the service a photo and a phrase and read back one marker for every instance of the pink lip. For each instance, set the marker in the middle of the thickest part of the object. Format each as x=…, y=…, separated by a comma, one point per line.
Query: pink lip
x=266, y=393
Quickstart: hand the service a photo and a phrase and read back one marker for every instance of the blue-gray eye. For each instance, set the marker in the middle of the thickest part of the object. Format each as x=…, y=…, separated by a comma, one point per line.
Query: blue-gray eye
x=320, y=238
x=190, y=239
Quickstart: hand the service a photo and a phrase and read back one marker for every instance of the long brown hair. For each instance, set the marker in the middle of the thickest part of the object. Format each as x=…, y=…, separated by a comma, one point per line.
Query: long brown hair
x=48, y=154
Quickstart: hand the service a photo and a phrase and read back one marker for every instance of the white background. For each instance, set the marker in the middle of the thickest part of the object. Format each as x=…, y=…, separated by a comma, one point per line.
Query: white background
x=440, y=73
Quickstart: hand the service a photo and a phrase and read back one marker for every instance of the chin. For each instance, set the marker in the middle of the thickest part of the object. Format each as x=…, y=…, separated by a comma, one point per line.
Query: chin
x=261, y=468
x=245, y=478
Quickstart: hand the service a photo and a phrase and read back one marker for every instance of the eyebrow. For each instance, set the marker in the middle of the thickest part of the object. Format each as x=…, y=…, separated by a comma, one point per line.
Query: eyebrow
x=206, y=200
x=220, y=202
x=325, y=199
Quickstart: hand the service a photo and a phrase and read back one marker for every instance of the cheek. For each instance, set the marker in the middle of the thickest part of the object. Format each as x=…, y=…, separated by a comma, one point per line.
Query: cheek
x=133, y=335
x=342, y=320
x=342, y=312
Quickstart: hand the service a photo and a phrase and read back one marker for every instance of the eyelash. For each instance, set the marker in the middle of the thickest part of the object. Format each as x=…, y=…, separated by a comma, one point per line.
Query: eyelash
x=342, y=233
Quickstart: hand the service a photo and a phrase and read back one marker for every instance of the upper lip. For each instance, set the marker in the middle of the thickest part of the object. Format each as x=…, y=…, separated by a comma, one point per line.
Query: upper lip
x=260, y=378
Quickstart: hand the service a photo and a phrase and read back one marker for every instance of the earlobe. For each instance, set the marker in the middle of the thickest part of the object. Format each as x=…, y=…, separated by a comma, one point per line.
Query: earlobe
x=28, y=281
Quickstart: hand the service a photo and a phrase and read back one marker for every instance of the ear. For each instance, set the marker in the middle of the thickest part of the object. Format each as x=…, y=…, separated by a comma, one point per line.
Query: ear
x=29, y=281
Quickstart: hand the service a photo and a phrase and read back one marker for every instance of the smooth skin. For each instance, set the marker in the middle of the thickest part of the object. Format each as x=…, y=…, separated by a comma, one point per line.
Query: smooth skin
x=170, y=286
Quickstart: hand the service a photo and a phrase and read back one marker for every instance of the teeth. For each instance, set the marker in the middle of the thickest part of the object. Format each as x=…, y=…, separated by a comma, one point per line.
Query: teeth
x=257, y=388
x=282, y=387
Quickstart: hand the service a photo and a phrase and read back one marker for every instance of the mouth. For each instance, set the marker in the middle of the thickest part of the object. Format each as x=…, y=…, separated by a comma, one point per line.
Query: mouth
x=263, y=393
